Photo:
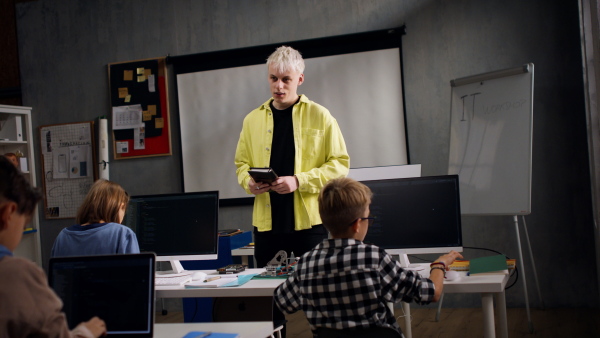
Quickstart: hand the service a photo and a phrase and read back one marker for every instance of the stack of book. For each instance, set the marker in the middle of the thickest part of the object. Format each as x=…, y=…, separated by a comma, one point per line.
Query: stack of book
x=485, y=265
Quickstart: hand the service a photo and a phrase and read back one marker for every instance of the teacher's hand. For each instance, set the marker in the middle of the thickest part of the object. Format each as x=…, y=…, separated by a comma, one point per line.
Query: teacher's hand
x=285, y=184
x=258, y=188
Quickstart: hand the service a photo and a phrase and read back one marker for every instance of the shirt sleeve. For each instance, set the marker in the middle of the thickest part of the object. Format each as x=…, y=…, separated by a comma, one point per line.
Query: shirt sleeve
x=287, y=295
x=405, y=285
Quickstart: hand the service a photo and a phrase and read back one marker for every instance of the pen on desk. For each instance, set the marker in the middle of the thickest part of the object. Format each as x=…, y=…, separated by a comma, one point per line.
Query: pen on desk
x=205, y=334
x=212, y=279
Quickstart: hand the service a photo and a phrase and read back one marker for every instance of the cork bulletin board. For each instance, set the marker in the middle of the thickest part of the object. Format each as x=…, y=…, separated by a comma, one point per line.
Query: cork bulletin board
x=139, y=108
x=69, y=166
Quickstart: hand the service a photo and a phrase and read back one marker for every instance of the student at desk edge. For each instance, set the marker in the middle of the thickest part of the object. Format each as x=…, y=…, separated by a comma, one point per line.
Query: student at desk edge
x=28, y=306
x=343, y=275
x=98, y=231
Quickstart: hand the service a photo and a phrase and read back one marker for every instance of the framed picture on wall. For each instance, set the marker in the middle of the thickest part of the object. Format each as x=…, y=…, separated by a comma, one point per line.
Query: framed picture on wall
x=139, y=108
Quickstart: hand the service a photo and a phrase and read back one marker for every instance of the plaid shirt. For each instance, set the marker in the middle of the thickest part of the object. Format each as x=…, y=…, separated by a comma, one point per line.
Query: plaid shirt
x=344, y=283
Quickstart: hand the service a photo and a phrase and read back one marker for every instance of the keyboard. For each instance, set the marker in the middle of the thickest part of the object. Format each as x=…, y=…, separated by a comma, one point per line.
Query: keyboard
x=178, y=280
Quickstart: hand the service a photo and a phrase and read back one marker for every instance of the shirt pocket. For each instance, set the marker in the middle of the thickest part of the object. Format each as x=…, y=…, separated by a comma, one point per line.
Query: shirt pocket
x=312, y=142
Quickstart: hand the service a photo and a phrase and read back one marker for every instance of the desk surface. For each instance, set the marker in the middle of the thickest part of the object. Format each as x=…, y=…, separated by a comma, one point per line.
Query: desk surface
x=265, y=287
x=472, y=284
x=253, y=288
x=244, y=329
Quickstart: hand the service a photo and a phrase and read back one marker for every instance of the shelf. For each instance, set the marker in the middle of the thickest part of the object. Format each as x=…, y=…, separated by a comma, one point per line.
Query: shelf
x=5, y=142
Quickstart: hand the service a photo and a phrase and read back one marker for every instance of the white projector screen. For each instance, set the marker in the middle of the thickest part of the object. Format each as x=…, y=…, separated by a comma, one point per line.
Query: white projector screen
x=362, y=90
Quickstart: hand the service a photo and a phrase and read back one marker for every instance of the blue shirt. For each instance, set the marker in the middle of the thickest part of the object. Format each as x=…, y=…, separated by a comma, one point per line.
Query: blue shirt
x=4, y=251
x=95, y=239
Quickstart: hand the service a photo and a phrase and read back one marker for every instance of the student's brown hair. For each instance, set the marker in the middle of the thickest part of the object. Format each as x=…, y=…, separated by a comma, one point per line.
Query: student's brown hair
x=102, y=203
x=16, y=188
x=342, y=201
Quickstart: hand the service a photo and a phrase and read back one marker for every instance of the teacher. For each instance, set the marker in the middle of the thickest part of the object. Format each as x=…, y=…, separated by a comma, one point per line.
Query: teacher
x=304, y=145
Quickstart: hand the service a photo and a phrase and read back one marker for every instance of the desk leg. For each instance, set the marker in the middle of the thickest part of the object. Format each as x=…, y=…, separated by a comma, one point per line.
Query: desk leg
x=501, y=308
x=408, y=329
x=487, y=304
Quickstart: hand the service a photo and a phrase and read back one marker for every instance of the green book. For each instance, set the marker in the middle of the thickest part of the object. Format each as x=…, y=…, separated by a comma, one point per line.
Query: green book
x=488, y=265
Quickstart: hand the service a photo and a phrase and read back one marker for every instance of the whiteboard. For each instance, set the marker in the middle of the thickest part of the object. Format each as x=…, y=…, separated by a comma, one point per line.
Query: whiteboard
x=490, y=141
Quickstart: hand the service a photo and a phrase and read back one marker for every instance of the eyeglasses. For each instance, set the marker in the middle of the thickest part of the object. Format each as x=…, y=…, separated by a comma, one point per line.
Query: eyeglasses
x=371, y=219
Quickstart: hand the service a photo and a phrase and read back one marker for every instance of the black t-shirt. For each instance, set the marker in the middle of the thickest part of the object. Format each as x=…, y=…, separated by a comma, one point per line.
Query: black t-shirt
x=283, y=153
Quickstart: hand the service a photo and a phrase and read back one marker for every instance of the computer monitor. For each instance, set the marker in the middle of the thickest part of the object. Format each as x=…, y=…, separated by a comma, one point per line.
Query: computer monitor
x=417, y=215
x=117, y=288
x=176, y=226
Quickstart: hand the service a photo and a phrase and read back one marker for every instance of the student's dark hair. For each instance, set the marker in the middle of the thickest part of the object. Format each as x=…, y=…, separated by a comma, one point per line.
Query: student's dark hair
x=342, y=201
x=102, y=203
x=16, y=188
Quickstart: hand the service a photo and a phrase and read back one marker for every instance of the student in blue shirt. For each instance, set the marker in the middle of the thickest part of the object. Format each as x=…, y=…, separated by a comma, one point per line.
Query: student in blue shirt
x=99, y=231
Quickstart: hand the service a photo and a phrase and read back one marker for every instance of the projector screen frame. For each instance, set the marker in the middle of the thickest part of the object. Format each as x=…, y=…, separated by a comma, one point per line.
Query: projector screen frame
x=312, y=48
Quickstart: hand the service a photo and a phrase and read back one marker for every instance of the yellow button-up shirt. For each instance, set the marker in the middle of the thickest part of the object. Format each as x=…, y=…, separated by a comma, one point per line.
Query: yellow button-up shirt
x=320, y=156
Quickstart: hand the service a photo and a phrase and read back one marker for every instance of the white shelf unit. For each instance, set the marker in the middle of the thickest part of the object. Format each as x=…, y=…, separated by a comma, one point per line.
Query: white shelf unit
x=11, y=117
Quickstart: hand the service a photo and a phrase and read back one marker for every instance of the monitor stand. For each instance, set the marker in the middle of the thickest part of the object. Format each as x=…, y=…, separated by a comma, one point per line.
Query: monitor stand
x=405, y=263
x=177, y=270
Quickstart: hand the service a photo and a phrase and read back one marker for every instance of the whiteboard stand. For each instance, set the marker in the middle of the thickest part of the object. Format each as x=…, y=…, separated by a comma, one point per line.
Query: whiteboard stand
x=516, y=221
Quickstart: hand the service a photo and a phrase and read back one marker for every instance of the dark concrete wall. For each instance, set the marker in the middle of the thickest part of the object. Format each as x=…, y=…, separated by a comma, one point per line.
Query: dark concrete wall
x=65, y=46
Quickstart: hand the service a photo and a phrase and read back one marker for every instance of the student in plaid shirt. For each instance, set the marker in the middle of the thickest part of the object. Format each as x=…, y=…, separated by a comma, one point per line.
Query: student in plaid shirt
x=345, y=283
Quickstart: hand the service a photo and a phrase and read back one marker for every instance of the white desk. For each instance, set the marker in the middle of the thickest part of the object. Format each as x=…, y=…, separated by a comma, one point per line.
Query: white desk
x=253, y=288
x=245, y=253
x=487, y=286
x=244, y=329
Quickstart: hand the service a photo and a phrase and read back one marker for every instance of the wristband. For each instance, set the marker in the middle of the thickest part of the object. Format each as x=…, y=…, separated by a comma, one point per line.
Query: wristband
x=438, y=268
x=439, y=262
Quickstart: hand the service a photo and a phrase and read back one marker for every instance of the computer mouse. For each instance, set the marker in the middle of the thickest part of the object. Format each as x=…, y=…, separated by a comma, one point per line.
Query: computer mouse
x=452, y=275
x=198, y=275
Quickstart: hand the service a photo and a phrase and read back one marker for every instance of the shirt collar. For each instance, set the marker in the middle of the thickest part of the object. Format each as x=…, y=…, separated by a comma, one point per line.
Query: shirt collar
x=4, y=251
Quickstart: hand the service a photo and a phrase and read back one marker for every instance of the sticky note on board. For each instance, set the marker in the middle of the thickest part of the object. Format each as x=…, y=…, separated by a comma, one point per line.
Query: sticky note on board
x=127, y=75
x=140, y=71
x=147, y=72
x=128, y=98
x=123, y=92
x=159, y=123
x=152, y=109
x=141, y=78
x=146, y=116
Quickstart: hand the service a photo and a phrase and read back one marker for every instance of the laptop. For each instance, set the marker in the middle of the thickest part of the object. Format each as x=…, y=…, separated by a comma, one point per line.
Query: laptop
x=117, y=288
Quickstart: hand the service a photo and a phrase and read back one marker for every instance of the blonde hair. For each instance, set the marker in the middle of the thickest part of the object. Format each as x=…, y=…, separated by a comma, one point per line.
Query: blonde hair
x=342, y=201
x=286, y=58
x=102, y=203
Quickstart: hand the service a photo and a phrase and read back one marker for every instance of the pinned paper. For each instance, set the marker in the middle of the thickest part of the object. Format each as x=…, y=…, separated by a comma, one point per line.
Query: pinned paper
x=152, y=109
x=127, y=75
x=140, y=71
x=123, y=92
x=122, y=147
x=128, y=98
x=147, y=72
x=151, y=85
x=159, y=123
x=141, y=78
x=146, y=116
x=139, y=137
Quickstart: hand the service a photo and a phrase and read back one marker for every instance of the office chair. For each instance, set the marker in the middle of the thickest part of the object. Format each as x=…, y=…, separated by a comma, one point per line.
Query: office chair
x=375, y=331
